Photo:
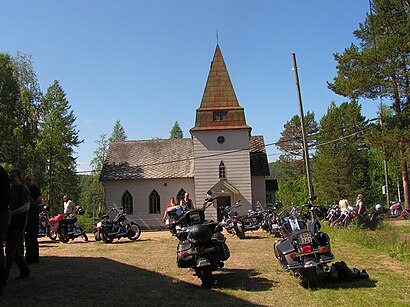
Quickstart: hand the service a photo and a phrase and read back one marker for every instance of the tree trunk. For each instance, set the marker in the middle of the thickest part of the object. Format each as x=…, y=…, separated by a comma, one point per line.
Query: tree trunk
x=404, y=176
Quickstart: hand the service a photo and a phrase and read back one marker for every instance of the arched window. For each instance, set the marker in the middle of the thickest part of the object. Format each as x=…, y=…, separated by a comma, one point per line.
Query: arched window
x=154, y=202
x=126, y=202
x=222, y=170
x=180, y=195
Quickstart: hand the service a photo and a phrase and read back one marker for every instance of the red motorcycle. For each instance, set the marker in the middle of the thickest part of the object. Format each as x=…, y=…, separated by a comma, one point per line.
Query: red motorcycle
x=68, y=227
x=396, y=210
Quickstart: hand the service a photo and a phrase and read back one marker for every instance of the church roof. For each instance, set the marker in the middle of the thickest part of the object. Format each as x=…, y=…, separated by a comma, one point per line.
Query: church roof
x=166, y=158
x=219, y=97
x=149, y=159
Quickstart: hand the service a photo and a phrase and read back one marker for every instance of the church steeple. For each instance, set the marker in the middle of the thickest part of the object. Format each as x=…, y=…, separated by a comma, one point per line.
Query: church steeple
x=219, y=108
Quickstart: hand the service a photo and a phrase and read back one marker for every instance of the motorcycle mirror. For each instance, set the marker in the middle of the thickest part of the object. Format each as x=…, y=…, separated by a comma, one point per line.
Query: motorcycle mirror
x=210, y=192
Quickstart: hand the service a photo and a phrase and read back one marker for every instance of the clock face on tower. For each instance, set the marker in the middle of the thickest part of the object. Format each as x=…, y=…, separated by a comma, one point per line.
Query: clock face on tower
x=220, y=139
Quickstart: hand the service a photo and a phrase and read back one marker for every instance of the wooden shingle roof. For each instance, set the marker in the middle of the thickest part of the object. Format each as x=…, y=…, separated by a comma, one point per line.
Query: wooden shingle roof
x=149, y=159
x=219, y=96
x=166, y=158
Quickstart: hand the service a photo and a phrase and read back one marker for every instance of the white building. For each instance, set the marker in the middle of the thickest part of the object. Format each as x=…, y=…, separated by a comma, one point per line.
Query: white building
x=221, y=154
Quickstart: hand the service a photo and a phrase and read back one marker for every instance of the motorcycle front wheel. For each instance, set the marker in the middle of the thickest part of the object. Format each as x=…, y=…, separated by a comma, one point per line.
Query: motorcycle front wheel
x=134, y=231
x=240, y=232
x=52, y=235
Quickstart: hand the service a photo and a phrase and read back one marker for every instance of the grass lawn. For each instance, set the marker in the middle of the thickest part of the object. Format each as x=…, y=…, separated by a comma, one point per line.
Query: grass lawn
x=144, y=273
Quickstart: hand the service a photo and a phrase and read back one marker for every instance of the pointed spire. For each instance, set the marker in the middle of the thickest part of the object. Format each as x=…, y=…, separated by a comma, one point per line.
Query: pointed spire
x=219, y=108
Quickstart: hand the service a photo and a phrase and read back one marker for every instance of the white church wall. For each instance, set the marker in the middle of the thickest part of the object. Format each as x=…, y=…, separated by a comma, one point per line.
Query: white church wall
x=140, y=191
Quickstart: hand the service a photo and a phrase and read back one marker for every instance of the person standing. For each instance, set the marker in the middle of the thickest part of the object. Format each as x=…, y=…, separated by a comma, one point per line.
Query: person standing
x=69, y=206
x=186, y=203
x=19, y=205
x=32, y=249
x=4, y=222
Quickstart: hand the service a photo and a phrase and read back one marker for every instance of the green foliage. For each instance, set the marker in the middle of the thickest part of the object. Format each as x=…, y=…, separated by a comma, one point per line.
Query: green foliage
x=386, y=239
x=291, y=144
x=340, y=164
x=293, y=192
x=176, y=132
x=118, y=133
x=58, y=137
x=379, y=68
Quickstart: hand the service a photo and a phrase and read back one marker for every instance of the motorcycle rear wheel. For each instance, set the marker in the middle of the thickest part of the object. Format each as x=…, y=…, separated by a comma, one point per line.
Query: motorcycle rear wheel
x=207, y=278
x=134, y=231
x=84, y=237
x=310, y=278
x=105, y=237
x=63, y=237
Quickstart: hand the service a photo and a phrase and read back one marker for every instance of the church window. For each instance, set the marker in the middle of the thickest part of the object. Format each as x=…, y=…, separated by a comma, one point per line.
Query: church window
x=180, y=195
x=154, y=202
x=222, y=170
x=220, y=116
x=126, y=202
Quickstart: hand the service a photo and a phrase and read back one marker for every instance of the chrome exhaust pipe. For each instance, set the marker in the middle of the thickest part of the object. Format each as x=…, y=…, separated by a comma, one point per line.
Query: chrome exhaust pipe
x=326, y=268
x=297, y=275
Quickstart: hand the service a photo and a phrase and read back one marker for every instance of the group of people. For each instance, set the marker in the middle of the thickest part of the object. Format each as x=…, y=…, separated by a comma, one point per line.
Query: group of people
x=186, y=204
x=344, y=203
x=19, y=201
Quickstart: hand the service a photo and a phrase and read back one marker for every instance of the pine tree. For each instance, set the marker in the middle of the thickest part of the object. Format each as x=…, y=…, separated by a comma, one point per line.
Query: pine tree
x=58, y=138
x=118, y=133
x=378, y=68
x=176, y=132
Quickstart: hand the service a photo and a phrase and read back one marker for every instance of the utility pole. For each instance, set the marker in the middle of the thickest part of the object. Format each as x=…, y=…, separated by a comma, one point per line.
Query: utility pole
x=312, y=196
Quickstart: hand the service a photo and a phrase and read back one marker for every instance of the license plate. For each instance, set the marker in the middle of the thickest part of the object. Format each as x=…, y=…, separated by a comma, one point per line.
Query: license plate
x=304, y=238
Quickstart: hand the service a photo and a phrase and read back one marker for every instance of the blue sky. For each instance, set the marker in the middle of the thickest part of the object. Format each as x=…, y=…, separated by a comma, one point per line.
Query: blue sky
x=146, y=62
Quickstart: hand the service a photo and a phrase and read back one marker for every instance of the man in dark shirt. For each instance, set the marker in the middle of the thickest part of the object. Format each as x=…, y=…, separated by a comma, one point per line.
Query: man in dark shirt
x=4, y=222
x=32, y=249
x=19, y=205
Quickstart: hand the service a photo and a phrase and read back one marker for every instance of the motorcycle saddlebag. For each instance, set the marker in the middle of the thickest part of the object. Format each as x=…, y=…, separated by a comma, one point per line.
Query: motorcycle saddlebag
x=184, y=262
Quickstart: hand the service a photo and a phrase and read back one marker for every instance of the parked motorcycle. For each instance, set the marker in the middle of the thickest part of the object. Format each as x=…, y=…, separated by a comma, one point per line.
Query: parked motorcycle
x=271, y=220
x=396, y=210
x=201, y=244
x=345, y=218
x=68, y=227
x=231, y=221
x=304, y=249
x=372, y=219
x=44, y=226
x=97, y=228
x=119, y=227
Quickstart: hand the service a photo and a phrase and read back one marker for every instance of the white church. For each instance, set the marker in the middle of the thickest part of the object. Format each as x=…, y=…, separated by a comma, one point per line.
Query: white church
x=140, y=176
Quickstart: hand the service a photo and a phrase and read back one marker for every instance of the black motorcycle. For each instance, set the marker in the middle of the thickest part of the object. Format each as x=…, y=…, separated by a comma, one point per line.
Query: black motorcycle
x=67, y=227
x=201, y=244
x=304, y=249
x=119, y=227
x=44, y=226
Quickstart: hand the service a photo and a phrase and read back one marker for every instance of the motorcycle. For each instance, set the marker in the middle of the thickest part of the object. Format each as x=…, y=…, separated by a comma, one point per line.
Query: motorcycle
x=333, y=214
x=231, y=221
x=344, y=219
x=97, y=228
x=303, y=249
x=68, y=227
x=396, y=210
x=119, y=227
x=201, y=244
x=271, y=220
x=44, y=226
x=371, y=219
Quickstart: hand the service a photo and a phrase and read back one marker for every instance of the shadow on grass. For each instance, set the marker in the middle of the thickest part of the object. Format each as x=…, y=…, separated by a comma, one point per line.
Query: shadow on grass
x=246, y=280
x=66, y=281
